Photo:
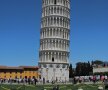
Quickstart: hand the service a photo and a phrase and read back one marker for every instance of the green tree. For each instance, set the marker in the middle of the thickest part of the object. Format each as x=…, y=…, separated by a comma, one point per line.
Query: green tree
x=83, y=69
x=71, y=74
x=98, y=62
x=78, y=69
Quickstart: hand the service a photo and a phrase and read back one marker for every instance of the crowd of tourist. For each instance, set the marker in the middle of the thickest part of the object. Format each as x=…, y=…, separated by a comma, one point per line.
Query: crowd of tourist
x=19, y=80
x=76, y=79
x=94, y=78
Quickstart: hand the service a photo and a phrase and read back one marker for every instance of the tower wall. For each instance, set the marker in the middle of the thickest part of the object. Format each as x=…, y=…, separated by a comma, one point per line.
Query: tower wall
x=54, y=40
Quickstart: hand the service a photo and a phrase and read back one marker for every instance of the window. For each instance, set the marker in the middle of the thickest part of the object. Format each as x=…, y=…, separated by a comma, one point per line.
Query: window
x=52, y=59
x=55, y=2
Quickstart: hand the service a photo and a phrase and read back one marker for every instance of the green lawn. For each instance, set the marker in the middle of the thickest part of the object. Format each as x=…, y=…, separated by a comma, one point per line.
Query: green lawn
x=48, y=87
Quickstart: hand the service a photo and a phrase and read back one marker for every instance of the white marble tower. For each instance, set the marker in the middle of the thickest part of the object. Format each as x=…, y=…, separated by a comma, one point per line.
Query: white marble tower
x=54, y=40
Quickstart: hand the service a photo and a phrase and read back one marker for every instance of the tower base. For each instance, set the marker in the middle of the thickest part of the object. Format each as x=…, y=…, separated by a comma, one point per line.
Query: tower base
x=54, y=72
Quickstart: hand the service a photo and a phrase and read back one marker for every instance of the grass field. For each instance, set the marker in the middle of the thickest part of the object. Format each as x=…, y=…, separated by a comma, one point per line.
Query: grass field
x=48, y=87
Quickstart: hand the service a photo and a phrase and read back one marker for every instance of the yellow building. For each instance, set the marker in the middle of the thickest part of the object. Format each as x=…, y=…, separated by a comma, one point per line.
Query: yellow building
x=18, y=72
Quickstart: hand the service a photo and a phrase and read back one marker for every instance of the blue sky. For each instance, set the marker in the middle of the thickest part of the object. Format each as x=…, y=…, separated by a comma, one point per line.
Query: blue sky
x=20, y=31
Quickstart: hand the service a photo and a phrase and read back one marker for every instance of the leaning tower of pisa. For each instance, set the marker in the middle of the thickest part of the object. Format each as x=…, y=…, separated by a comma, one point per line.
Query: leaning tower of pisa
x=54, y=40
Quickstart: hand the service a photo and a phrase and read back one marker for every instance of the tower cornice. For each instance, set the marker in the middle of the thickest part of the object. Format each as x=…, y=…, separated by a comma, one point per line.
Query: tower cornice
x=55, y=27
x=42, y=39
x=55, y=15
x=54, y=51
x=55, y=6
x=54, y=63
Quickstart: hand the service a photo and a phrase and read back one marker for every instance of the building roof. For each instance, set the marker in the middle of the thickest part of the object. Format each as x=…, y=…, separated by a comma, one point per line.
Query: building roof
x=31, y=67
x=19, y=67
x=8, y=67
